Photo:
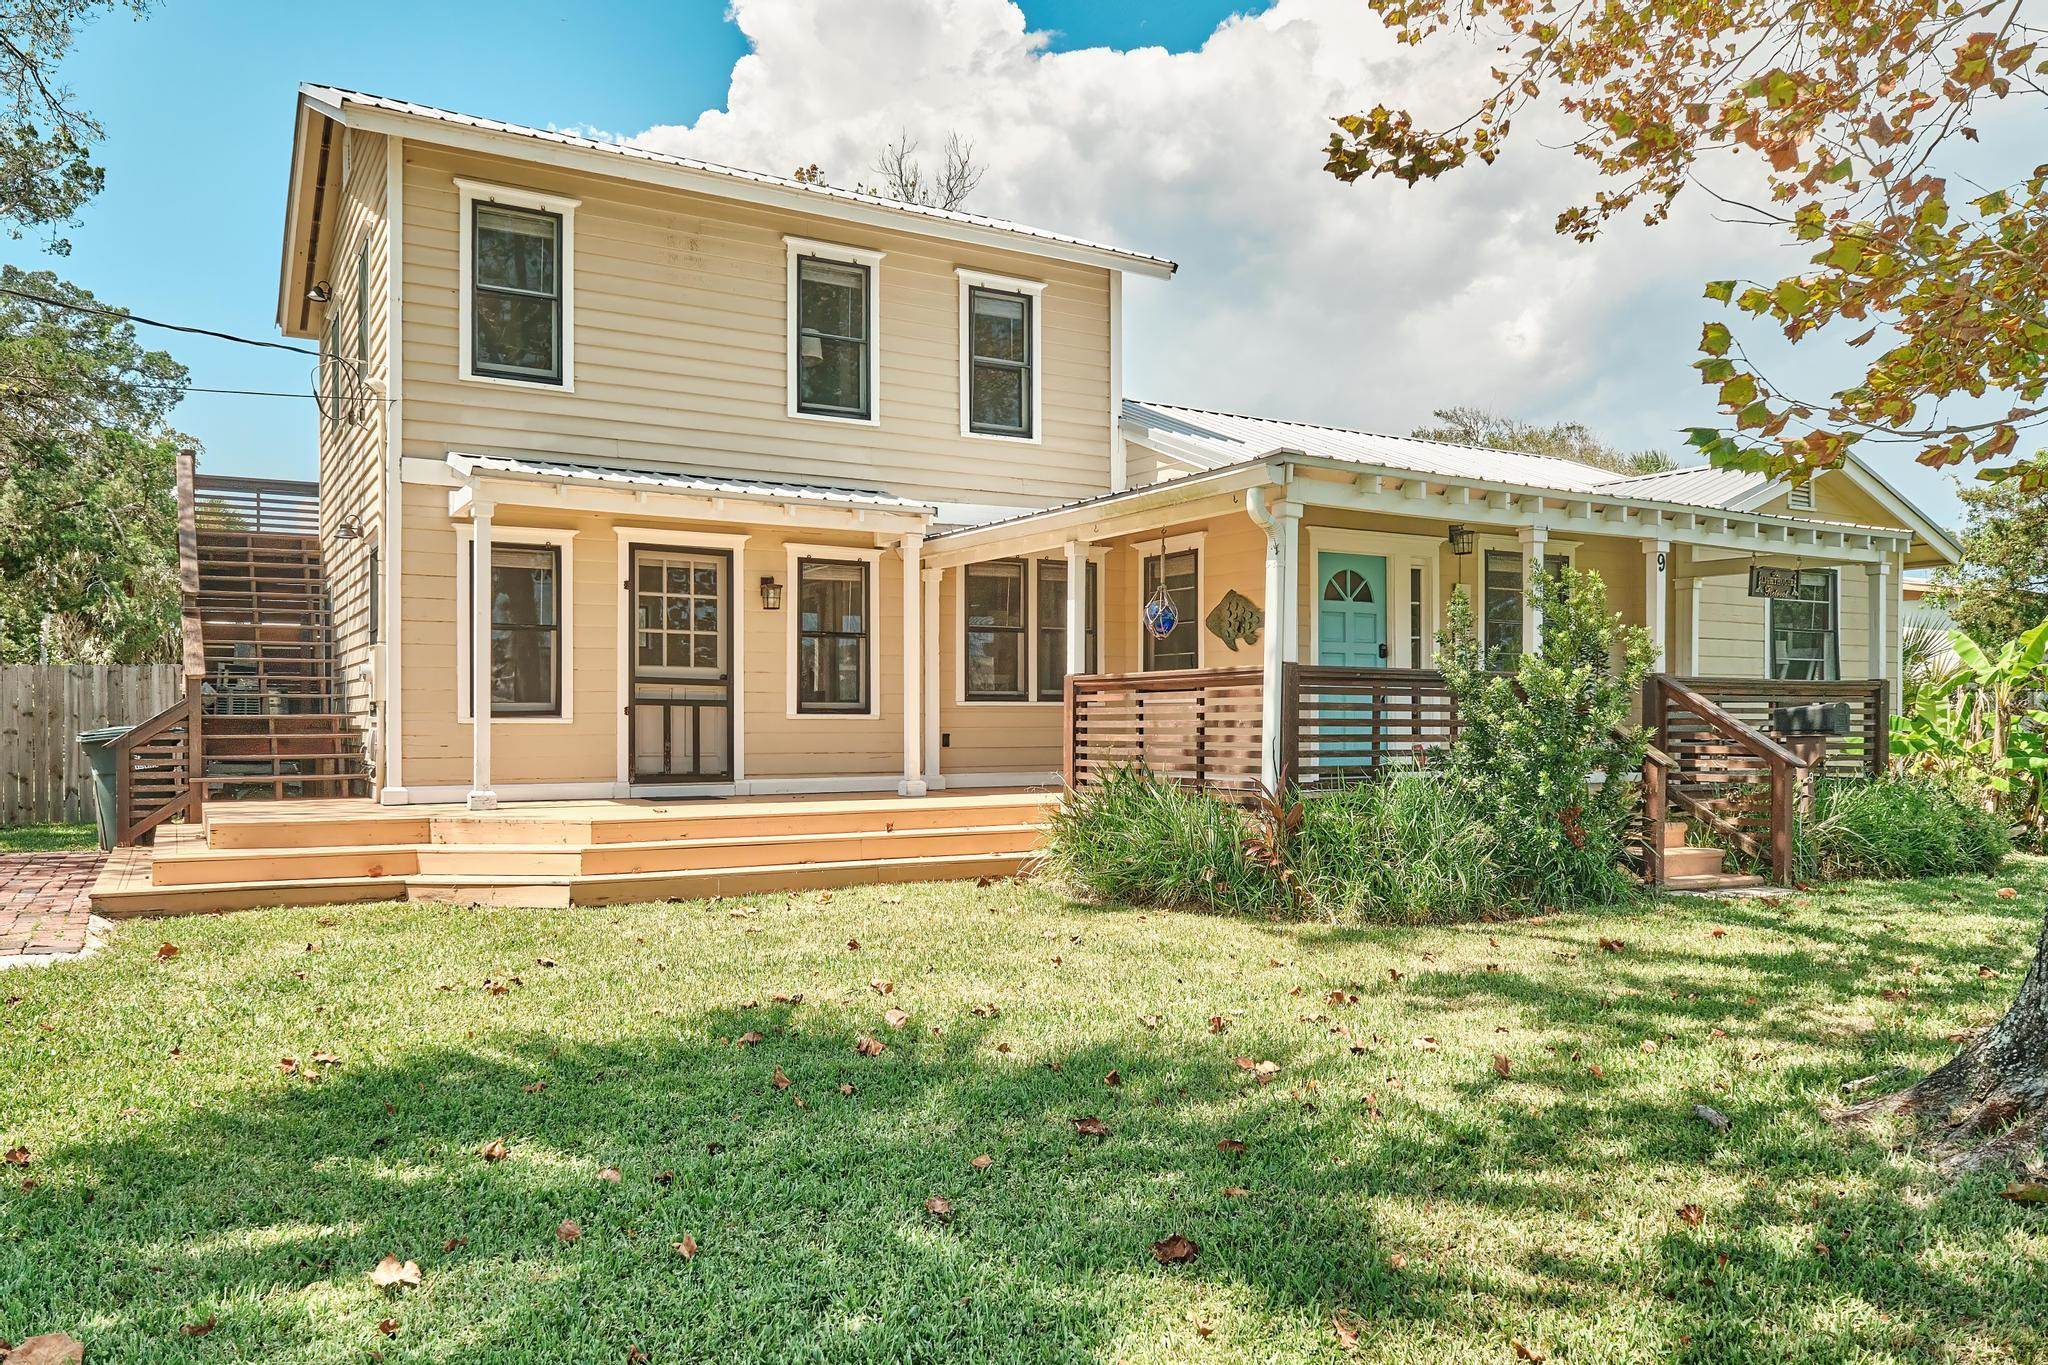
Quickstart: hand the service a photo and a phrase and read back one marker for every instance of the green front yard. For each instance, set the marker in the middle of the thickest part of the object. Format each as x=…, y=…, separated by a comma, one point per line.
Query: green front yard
x=1490, y=1145
x=46, y=838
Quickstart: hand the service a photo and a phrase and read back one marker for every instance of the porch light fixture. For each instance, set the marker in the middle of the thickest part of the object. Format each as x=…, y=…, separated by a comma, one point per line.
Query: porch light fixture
x=351, y=528
x=771, y=593
x=320, y=292
x=1461, y=539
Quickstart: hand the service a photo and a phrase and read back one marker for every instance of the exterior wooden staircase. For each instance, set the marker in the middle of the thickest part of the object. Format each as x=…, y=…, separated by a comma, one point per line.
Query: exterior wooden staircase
x=262, y=716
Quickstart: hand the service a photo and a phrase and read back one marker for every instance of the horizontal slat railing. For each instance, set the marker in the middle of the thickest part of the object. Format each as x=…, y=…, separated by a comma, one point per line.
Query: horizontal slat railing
x=1354, y=724
x=1864, y=751
x=1727, y=774
x=1200, y=726
x=153, y=766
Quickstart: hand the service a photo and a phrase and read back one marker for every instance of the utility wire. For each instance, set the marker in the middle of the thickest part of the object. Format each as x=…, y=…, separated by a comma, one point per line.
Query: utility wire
x=126, y=316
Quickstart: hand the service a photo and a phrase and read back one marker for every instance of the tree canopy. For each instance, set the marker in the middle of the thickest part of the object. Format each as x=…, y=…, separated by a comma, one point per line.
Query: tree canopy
x=1567, y=440
x=2000, y=589
x=46, y=166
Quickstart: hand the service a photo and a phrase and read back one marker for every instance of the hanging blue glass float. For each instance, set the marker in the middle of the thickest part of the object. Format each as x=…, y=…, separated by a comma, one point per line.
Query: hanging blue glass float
x=1160, y=615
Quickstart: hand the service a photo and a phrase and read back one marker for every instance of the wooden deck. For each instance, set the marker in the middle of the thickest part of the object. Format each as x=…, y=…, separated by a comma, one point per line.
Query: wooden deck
x=332, y=851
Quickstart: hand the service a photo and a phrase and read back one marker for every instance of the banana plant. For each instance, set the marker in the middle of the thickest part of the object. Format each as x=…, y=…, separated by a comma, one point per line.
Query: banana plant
x=1984, y=718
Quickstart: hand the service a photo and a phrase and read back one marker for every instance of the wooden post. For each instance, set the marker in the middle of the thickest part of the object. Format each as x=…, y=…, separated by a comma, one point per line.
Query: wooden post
x=1784, y=815
x=1656, y=588
x=1656, y=814
x=1534, y=540
x=1289, y=747
x=1073, y=725
x=1880, y=755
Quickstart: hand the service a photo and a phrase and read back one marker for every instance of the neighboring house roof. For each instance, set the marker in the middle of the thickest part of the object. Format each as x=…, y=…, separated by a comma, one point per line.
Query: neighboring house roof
x=557, y=468
x=733, y=182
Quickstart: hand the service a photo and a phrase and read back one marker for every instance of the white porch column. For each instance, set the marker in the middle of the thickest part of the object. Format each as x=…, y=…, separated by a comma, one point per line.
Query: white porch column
x=1656, y=591
x=481, y=797
x=1278, y=646
x=911, y=547
x=1077, y=607
x=1534, y=539
x=929, y=674
x=1877, y=580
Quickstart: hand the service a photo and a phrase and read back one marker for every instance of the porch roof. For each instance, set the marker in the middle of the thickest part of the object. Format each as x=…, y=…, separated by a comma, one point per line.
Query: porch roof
x=561, y=469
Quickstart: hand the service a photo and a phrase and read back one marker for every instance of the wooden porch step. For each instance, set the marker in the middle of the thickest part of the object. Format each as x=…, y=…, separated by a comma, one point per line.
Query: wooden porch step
x=1693, y=861
x=710, y=884
x=1727, y=881
x=202, y=865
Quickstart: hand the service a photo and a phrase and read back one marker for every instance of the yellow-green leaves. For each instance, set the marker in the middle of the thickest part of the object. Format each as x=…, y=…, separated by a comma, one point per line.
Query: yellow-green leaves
x=1715, y=338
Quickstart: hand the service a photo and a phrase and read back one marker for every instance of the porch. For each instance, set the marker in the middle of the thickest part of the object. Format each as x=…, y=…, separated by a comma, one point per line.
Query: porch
x=1721, y=765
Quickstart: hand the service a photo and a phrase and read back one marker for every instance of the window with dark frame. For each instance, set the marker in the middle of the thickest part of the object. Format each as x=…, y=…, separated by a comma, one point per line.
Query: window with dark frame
x=1181, y=647
x=999, y=362
x=526, y=630
x=1501, y=611
x=832, y=636
x=833, y=352
x=1805, y=631
x=1415, y=616
x=516, y=293
x=996, y=642
x=1052, y=627
x=376, y=597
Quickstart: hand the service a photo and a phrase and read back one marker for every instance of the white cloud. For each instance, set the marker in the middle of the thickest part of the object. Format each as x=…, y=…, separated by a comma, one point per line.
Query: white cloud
x=1366, y=304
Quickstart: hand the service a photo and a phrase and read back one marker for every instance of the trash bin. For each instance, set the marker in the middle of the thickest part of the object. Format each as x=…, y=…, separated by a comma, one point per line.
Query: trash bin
x=99, y=752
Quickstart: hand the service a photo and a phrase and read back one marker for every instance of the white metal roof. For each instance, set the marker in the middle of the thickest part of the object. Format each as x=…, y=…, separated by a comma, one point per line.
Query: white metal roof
x=551, y=468
x=1703, y=485
x=823, y=199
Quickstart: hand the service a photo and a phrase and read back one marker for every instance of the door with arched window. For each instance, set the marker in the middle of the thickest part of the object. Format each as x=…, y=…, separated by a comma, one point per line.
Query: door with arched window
x=1351, y=610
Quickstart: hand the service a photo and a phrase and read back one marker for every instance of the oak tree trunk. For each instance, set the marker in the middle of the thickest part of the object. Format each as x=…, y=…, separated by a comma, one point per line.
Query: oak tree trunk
x=1988, y=1103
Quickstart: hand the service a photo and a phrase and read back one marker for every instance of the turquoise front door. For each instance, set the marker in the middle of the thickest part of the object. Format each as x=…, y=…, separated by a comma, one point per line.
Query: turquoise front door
x=1351, y=610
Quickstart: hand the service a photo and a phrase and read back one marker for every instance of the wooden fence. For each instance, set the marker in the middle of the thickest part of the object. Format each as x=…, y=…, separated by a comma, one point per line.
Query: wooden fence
x=43, y=707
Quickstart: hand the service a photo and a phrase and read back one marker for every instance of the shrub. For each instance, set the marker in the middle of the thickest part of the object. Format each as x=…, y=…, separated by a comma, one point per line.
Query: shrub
x=1403, y=850
x=1146, y=840
x=1532, y=743
x=1897, y=827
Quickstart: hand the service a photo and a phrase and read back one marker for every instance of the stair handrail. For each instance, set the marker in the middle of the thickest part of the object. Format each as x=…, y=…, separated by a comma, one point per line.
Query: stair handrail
x=128, y=825
x=1785, y=766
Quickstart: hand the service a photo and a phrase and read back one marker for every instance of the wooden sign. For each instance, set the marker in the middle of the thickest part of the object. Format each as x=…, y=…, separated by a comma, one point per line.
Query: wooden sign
x=1770, y=582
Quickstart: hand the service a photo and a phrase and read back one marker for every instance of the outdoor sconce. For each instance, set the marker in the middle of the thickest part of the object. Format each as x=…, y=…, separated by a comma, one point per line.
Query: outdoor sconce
x=771, y=593
x=1461, y=539
x=351, y=528
x=320, y=292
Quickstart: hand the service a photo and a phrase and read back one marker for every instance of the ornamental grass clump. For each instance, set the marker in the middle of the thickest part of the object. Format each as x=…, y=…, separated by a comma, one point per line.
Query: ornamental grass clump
x=1548, y=756
x=1402, y=850
x=1146, y=840
x=1898, y=827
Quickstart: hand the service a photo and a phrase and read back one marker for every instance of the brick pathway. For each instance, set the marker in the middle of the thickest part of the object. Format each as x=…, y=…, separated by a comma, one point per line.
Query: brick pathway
x=43, y=905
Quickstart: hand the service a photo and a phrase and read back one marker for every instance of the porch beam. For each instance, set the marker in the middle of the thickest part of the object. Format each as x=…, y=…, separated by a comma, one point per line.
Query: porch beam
x=911, y=548
x=481, y=797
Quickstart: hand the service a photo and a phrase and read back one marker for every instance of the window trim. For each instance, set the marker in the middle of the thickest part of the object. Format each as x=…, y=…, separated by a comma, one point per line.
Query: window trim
x=1552, y=549
x=1150, y=550
x=1033, y=291
x=563, y=542
x=470, y=193
x=1098, y=556
x=840, y=254
x=795, y=553
x=1834, y=573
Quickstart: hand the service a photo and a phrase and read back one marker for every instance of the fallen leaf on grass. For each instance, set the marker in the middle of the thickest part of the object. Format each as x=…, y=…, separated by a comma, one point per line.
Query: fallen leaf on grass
x=1706, y=1113
x=166, y=952
x=687, y=1248
x=609, y=1174
x=882, y=987
x=388, y=1326
x=287, y=1065
x=454, y=1244
x=1427, y=1043
x=1988, y=973
x=1347, y=1327
x=2006, y=893
x=494, y=1150
x=17, y=1156
x=896, y=1018
x=1648, y=1045
x=570, y=1230
x=1113, y=1079
x=940, y=1208
x=749, y=1039
x=535, y=1087
x=1692, y=1215
x=1230, y=1146
x=982, y=1162
x=846, y=1087
x=868, y=1046
x=1235, y=1191
x=200, y=1328
x=1612, y=945
x=1217, y=1023
x=1090, y=1126
x=1502, y=1065
x=1149, y=1020
x=1175, y=1250
x=781, y=1082
x=392, y=1273
x=2026, y=1192
x=50, y=1348
x=1528, y=1353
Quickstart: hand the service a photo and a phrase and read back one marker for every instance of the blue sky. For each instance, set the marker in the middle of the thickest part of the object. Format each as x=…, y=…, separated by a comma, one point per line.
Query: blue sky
x=1365, y=305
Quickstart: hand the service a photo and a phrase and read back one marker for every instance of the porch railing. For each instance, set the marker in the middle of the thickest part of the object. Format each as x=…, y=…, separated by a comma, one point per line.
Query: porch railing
x=1201, y=726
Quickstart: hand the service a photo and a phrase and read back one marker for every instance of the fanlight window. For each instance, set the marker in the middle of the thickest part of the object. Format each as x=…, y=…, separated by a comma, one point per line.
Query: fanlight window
x=1347, y=585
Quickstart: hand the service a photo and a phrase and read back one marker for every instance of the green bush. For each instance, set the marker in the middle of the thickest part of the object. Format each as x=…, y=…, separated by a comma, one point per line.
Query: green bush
x=1146, y=840
x=1897, y=827
x=1403, y=850
x=1547, y=756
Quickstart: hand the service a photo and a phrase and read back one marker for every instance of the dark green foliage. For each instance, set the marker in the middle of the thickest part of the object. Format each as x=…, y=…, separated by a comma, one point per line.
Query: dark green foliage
x=1548, y=756
x=1897, y=827
x=1403, y=850
x=1146, y=840
x=2000, y=589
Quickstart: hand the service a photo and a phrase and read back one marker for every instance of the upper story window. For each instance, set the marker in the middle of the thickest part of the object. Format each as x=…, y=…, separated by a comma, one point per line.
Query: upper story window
x=834, y=322
x=517, y=286
x=999, y=355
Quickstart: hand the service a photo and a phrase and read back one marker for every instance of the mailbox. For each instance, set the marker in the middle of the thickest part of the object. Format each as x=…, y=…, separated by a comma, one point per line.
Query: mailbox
x=1819, y=718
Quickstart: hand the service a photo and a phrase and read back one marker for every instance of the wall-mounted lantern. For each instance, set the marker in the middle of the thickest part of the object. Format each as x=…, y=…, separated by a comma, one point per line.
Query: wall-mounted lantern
x=351, y=528
x=771, y=593
x=1461, y=539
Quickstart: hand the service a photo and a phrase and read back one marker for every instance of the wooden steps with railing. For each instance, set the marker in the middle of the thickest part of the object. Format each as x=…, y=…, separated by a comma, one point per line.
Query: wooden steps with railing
x=263, y=714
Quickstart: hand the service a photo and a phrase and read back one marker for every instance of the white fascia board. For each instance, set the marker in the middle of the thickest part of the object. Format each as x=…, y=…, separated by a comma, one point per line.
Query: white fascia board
x=493, y=142
x=1028, y=534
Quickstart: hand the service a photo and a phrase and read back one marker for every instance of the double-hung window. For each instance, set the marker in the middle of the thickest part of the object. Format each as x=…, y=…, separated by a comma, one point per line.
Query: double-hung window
x=834, y=637
x=1805, y=631
x=1501, y=608
x=834, y=318
x=1015, y=644
x=1052, y=628
x=517, y=315
x=1180, y=647
x=999, y=355
x=526, y=630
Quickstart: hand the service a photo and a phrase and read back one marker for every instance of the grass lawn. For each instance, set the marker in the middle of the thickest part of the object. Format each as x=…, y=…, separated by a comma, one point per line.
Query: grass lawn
x=1391, y=1176
x=46, y=838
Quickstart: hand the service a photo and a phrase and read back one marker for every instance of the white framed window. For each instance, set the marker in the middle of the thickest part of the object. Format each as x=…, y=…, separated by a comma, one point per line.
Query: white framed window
x=835, y=332
x=516, y=319
x=1500, y=596
x=533, y=623
x=834, y=632
x=1012, y=630
x=1000, y=355
x=1177, y=563
x=1804, y=633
